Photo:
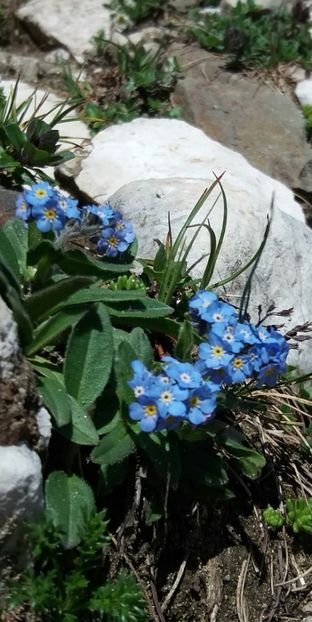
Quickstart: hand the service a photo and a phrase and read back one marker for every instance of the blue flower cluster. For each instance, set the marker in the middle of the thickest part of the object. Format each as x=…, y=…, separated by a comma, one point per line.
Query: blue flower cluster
x=178, y=393
x=233, y=352
x=51, y=210
x=116, y=233
x=236, y=351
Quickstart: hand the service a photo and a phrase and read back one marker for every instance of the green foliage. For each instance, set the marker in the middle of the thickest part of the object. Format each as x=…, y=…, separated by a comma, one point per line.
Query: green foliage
x=307, y=111
x=143, y=84
x=273, y=518
x=138, y=10
x=60, y=587
x=299, y=514
x=69, y=504
x=28, y=142
x=255, y=37
x=121, y=601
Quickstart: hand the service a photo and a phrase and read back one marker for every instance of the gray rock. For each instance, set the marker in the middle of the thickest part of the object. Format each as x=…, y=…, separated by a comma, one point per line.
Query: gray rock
x=7, y=204
x=244, y=114
x=283, y=276
x=25, y=66
x=18, y=401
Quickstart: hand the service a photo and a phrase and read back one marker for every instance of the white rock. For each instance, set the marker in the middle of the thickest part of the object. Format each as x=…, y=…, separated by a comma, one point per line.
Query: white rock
x=168, y=148
x=44, y=425
x=303, y=91
x=71, y=23
x=73, y=129
x=20, y=483
x=283, y=276
x=57, y=56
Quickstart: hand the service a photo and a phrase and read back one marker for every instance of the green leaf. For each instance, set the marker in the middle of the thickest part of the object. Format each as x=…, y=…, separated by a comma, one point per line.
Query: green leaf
x=250, y=461
x=8, y=253
x=6, y=161
x=13, y=300
x=53, y=328
x=141, y=346
x=81, y=430
x=100, y=294
x=16, y=137
x=114, y=447
x=40, y=304
x=145, y=308
x=123, y=371
x=69, y=504
x=17, y=234
x=185, y=342
x=76, y=262
x=89, y=356
x=56, y=399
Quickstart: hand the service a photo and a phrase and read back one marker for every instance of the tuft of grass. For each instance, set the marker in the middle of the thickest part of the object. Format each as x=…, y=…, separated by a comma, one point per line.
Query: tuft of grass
x=142, y=82
x=139, y=10
x=254, y=36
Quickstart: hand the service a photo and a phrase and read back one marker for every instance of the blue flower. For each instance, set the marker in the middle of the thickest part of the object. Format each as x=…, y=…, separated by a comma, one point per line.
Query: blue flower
x=229, y=336
x=239, y=368
x=201, y=301
x=218, y=313
x=247, y=333
x=125, y=230
x=39, y=194
x=214, y=353
x=170, y=400
x=142, y=379
x=146, y=412
x=103, y=212
x=49, y=217
x=68, y=206
x=201, y=405
x=111, y=243
x=268, y=375
x=185, y=374
x=23, y=210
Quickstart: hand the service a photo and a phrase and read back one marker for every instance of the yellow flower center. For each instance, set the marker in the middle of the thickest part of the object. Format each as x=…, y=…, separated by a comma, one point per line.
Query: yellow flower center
x=50, y=214
x=112, y=241
x=40, y=193
x=150, y=410
x=238, y=363
x=217, y=351
x=194, y=401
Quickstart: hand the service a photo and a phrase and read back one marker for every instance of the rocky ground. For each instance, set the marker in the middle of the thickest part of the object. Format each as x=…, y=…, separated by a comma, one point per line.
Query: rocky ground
x=251, y=125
